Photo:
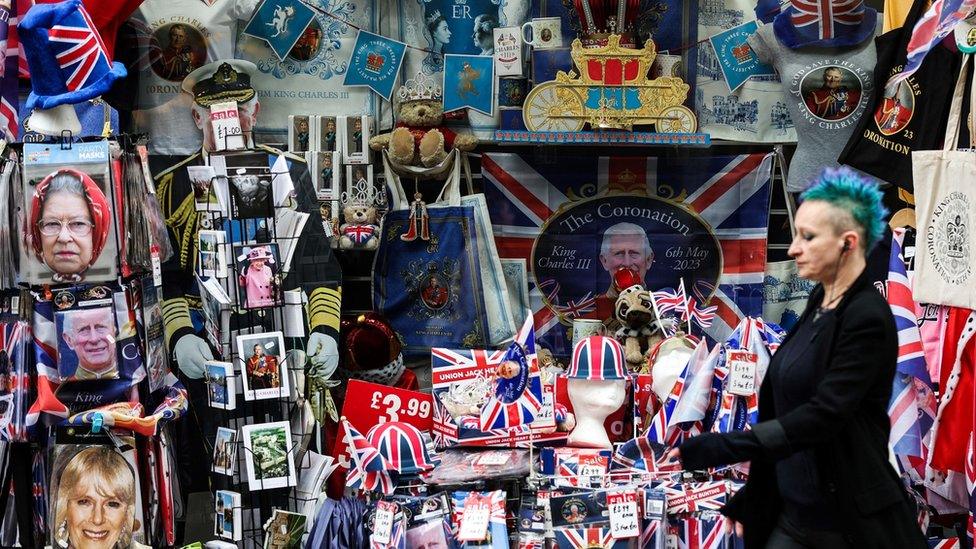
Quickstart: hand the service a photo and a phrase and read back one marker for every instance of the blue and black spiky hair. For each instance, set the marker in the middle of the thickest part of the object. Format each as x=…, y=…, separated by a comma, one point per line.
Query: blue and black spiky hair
x=845, y=189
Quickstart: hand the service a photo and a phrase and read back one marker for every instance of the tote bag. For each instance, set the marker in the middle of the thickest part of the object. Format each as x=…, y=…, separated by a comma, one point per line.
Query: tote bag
x=433, y=291
x=945, y=205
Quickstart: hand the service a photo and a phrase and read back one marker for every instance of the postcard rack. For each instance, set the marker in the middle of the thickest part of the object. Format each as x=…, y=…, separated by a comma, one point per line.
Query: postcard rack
x=259, y=454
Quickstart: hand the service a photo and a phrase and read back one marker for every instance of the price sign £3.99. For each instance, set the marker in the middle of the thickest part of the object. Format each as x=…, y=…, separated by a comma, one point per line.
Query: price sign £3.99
x=369, y=404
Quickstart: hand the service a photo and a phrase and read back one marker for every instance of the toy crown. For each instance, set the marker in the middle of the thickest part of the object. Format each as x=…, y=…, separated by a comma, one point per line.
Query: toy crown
x=418, y=88
x=361, y=193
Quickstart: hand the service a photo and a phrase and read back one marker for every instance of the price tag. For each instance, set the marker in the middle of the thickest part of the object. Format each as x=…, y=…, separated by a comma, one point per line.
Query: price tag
x=383, y=522
x=493, y=458
x=368, y=404
x=589, y=470
x=742, y=373
x=157, y=266
x=474, y=520
x=623, y=515
x=909, y=252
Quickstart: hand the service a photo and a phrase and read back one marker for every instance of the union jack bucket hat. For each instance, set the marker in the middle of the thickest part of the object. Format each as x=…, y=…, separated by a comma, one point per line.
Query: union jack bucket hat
x=403, y=446
x=597, y=358
x=68, y=61
x=825, y=23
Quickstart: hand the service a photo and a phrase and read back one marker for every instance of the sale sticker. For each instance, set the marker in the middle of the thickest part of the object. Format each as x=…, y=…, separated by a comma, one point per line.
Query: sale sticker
x=742, y=373
x=624, y=521
x=383, y=522
x=474, y=519
x=369, y=404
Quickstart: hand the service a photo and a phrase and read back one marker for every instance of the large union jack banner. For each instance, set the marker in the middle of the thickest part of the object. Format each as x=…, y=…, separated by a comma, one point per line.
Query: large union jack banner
x=570, y=217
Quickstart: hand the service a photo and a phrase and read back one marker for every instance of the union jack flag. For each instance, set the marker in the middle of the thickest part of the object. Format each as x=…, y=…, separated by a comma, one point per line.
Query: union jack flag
x=664, y=429
x=730, y=193
x=948, y=543
x=369, y=470
x=908, y=425
x=583, y=538
x=79, y=51
x=9, y=102
x=934, y=25
x=498, y=414
x=826, y=16
x=702, y=315
x=637, y=454
x=705, y=532
x=667, y=301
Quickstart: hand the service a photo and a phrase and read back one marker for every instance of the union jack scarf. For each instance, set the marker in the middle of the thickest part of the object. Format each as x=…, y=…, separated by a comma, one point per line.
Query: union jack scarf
x=908, y=424
x=934, y=25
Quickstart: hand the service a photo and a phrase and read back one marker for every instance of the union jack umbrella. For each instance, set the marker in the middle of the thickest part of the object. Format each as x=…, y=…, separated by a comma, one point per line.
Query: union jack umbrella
x=402, y=447
x=67, y=59
x=597, y=358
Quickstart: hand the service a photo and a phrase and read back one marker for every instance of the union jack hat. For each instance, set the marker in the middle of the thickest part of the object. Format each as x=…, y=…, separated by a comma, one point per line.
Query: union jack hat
x=68, y=61
x=825, y=23
x=597, y=358
x=403, y=446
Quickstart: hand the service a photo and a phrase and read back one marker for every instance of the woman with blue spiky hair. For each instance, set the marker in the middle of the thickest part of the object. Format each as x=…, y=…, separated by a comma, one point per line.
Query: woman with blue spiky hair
x=819, y=473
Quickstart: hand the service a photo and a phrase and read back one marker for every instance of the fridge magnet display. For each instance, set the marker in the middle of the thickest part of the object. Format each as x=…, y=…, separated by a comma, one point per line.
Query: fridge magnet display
x=284, y=530
x=268, y=456
x=221, y=389
x=258, y=275
x=69, y=233
x=205, y=196
x=299, y=133
x=86, y=344
x=327, y=133
x=264, y=371
x=211, y=248
x=328, y=175
x=227, y=520
x=225, y=451
x=101, y=476
x=355, y=133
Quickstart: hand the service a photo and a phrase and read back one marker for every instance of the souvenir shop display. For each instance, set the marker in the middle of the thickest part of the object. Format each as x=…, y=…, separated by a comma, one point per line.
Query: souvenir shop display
x=310, y=274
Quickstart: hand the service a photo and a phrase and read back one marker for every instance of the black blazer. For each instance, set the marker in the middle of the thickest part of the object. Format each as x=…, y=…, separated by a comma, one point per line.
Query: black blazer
x=845, y=424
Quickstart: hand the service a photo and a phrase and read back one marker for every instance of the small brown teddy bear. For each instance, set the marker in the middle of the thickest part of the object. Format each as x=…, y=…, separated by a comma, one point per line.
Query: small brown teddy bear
x=360, y=230
x=419, y=139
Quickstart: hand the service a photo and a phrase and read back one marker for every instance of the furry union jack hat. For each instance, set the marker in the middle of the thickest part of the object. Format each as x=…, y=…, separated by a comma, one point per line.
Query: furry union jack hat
x=67, y=59
x=597, y=358
x=825, y=23
x=402, y=445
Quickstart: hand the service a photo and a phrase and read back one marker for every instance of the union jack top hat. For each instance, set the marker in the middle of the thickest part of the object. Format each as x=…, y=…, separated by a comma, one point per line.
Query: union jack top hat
x=67, y=59
x=402, y=445
x=825, y=23
x=597, y=358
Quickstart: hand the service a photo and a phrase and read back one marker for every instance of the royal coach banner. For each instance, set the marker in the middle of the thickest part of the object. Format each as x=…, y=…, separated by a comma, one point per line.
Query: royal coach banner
x=576, y=219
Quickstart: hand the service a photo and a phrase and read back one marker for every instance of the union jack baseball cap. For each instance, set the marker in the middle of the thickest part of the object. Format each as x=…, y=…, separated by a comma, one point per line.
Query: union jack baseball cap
x=825, y=23
x=67, y=58
x=597, y=358
x=403, y=446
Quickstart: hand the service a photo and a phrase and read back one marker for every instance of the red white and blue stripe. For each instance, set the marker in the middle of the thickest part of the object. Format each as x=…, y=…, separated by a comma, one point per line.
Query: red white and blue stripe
x=597, y=358
x=402, y=447
x=369, y=470
x=79, y=51
x=826, y=18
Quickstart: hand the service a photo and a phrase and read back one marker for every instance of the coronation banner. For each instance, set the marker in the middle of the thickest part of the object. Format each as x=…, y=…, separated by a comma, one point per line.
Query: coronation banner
x=575, y=220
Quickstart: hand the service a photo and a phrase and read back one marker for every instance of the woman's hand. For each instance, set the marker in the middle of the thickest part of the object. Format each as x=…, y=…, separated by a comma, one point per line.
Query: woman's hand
x=732, y=526
x=673, y=457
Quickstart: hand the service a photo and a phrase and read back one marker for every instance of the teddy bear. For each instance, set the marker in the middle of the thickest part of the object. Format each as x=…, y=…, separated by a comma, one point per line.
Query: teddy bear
x=360, y=230
x=634, y=309
x=419, y=138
